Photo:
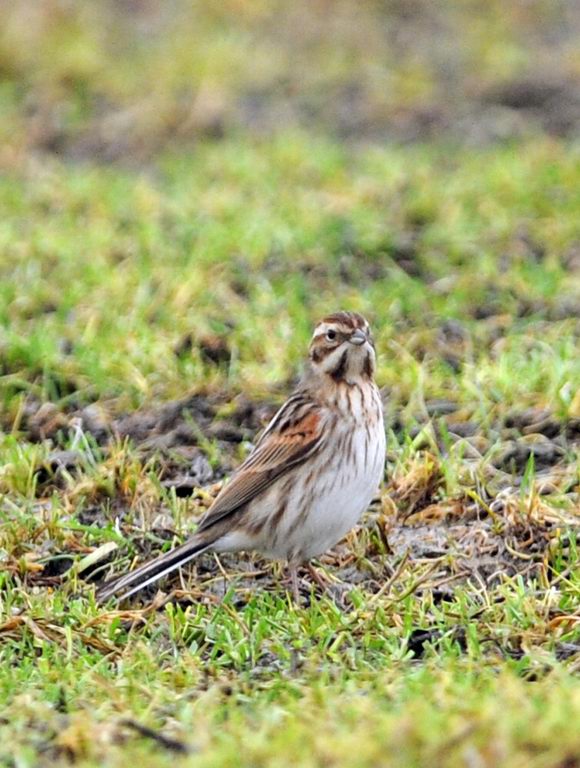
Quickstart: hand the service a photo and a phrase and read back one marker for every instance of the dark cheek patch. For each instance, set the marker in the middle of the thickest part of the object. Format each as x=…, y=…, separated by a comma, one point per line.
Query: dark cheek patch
x=317, y=354
x=368, y=366
x=340, y=370
x=320, y=349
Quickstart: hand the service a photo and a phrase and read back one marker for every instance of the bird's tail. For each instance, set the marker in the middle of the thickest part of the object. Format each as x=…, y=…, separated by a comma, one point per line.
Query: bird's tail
x=155, y=569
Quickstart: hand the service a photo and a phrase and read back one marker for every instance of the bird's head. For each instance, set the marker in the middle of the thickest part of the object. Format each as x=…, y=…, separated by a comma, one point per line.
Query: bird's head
x=342, y=348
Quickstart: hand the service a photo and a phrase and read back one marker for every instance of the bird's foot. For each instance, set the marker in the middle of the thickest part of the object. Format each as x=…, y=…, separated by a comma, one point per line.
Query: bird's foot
x=324, y=583
x=292, y=581
x=336, y=591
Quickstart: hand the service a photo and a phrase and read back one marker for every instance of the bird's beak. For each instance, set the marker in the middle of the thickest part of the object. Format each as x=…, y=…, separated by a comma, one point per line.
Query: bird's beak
x=358, y=337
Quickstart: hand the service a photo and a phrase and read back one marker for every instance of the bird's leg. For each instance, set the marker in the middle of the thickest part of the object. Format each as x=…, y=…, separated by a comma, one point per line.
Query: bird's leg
x=293, y=572
x=316, y=577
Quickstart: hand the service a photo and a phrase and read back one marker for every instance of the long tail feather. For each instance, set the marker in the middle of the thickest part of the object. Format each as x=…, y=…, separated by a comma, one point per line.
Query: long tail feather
x=150, y=572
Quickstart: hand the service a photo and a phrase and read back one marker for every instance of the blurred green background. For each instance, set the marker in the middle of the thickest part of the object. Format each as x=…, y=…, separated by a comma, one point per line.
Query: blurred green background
x=186, y=177
x=125, y=79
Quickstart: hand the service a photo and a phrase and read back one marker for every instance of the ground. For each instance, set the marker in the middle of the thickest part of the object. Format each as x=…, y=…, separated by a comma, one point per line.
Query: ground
x=152, y=324
x=182, y=198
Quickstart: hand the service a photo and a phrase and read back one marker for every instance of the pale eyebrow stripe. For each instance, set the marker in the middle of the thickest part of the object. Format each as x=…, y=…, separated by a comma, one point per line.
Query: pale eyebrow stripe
x=320, y=330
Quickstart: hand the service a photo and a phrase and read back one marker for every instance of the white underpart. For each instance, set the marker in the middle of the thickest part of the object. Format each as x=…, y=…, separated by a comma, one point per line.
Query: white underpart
x=342, y=491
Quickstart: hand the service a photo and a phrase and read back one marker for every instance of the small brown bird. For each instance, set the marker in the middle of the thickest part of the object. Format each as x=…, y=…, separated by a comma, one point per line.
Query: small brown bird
x=313, y=472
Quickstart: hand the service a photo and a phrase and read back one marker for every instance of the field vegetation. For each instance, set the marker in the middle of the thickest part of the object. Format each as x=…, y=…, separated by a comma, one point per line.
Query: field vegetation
x=175, y=217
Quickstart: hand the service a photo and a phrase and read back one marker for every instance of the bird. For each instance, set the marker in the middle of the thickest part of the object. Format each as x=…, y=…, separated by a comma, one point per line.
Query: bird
x=312, y=473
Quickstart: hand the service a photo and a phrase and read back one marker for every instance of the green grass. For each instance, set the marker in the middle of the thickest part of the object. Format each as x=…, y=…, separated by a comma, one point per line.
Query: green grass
x=259, y=240
x=252, y=686
x=464, y=262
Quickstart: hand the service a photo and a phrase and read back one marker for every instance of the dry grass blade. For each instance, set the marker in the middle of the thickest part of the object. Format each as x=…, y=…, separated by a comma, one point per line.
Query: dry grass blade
x=166, y=742
x=565, y=622
x=48, y=632
x=100, y=553
x=414, y=586
x=389, y=583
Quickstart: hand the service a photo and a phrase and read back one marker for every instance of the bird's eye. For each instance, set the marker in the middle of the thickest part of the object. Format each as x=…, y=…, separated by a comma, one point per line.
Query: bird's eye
x=330, y=335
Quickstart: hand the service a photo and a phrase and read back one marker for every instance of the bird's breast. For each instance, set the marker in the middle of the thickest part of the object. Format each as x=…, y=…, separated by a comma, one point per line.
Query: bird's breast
x=318, y=502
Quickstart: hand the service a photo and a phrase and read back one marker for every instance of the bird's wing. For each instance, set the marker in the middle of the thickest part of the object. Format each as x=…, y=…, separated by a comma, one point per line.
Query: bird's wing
x=294, y=434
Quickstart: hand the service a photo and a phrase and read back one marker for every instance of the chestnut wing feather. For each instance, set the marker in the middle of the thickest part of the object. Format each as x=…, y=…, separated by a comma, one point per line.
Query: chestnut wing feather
x=294, y=434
